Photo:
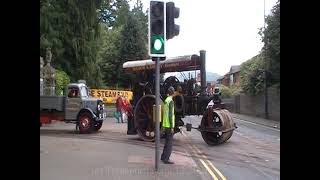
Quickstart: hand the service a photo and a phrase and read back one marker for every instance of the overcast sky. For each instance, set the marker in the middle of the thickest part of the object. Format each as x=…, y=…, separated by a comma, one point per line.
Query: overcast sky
x=226, y=29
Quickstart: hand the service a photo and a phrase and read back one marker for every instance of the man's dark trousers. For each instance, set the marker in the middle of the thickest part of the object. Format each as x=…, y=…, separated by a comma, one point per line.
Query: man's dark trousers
x=168, y=145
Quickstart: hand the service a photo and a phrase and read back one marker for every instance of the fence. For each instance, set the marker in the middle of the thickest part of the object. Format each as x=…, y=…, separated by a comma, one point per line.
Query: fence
x=254, y=105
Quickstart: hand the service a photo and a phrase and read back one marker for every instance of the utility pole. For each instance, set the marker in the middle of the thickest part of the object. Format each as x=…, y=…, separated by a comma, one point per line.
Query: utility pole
x=265, y=65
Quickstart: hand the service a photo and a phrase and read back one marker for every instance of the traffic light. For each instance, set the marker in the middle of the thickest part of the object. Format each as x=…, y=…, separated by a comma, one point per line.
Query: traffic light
x=157, y=27
x=172, y=12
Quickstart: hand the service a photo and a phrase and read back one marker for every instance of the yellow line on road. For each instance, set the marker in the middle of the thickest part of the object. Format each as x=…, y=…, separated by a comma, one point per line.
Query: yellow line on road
x=198, y=152
x=214, y=168
x=204, y=164
x=219, y=173
x=208, y=169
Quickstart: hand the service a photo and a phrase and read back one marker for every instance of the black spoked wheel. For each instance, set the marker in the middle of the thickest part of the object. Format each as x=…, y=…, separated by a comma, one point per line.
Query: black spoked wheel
x=143, y=117
x=170, y=81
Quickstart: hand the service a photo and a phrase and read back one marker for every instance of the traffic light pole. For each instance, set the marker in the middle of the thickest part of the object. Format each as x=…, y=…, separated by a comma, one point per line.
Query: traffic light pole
x=161, y=28
x=157, y=112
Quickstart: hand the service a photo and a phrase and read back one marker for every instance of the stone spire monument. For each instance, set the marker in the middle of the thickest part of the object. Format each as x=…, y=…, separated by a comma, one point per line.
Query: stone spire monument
x=41, y=76
x=49, y=75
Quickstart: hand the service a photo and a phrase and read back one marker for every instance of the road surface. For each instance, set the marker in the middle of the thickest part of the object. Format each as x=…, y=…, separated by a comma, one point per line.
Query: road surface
x=253, y=152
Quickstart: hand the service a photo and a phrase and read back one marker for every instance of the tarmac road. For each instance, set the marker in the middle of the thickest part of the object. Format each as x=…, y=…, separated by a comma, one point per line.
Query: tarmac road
x=253, y=152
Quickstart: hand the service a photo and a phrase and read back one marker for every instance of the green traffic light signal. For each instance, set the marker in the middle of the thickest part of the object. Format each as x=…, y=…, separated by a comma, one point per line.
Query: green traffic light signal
x=157, y=28
x=157, y=44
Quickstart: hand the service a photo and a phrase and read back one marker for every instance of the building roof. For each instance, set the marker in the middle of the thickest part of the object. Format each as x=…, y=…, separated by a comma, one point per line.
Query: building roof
x=220, y=78
x=234, y=69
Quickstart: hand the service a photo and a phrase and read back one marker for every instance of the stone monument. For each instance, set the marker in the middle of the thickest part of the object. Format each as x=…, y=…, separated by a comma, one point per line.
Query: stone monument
x=41, y=75
x=49, y=75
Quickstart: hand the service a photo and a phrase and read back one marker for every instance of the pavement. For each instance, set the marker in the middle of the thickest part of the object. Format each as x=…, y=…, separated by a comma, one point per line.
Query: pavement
x=110, y=108
x=257, y=120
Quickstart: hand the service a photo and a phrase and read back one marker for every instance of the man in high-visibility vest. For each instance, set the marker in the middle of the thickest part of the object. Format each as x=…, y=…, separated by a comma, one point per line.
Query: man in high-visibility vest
x=168, y=126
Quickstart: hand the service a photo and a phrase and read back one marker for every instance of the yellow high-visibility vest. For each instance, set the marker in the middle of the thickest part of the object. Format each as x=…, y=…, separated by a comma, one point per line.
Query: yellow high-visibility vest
x=166, y=122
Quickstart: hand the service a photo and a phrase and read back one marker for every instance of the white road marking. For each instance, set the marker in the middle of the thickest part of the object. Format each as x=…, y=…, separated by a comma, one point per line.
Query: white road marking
x=257, y=124
x=238, y=133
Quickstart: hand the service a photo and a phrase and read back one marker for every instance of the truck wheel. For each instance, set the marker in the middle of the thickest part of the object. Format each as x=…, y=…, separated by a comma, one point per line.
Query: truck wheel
x=97, y=125
x=86, y=123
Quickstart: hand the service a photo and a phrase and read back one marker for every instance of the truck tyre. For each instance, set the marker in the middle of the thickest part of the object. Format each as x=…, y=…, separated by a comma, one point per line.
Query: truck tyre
x=97, y=125
x=86, y=124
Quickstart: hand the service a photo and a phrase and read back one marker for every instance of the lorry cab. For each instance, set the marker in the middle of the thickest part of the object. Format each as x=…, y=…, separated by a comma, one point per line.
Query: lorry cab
x=75, y=95
x=80, y=106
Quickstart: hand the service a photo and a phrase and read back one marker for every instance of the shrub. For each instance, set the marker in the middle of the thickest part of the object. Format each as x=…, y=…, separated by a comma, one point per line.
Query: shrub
x=62, y=79
x=225, y=92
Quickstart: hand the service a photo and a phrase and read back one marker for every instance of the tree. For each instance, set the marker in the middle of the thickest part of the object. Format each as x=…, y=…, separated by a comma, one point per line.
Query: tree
x=133, y=44
x=71, y=29
x=142, y=18
x=252, y=71
x=271, y=50
x=127, y=41
x=111, y=55
x=121, y=13
x=91, y=39
x=107, y=12
x=52, y=19
x=252, y=77
x=134, y=40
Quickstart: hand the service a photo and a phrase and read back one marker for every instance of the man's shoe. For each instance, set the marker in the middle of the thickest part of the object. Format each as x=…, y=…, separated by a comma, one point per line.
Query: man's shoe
x=168, y=162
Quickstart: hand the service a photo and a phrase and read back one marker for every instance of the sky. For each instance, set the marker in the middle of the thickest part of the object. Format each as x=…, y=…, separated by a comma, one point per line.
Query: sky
x=226, y=29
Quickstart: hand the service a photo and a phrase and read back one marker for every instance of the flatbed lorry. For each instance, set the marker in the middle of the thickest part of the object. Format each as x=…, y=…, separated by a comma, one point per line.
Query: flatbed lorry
x=76, y=106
